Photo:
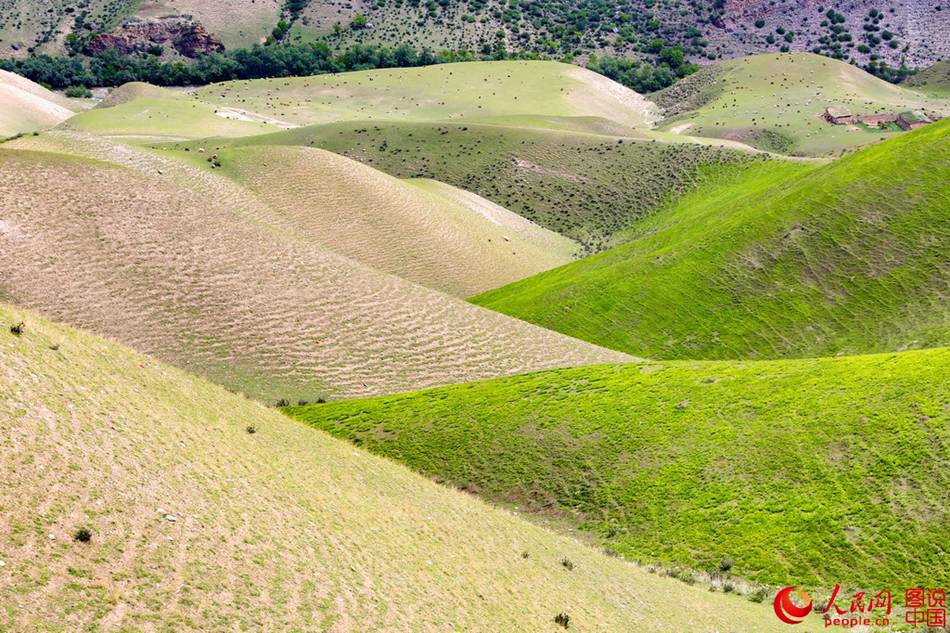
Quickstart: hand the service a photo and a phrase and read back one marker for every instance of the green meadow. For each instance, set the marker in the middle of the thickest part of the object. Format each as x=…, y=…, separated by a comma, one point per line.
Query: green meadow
x=809, y=472
x=770, y=259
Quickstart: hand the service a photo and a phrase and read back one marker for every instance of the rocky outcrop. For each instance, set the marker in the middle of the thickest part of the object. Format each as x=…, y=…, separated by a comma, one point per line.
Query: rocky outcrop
x=188, y=38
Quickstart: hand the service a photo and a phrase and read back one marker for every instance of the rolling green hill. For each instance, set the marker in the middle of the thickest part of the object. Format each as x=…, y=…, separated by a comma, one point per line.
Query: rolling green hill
x=444, y=91
x=195, y=523
x=933, y=80
x=586, y=186
x=775, y=102
x=770, y=259
x=798, y=472
x=166, y=115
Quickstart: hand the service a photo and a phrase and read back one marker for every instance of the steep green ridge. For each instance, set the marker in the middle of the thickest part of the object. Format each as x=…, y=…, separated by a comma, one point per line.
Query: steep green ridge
x=800, y=472
x=775, y=101
x=586, y=186
x=771, y=260
x=195, y=523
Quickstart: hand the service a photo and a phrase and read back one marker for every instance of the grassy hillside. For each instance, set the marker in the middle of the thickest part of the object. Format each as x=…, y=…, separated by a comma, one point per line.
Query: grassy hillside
x=26, y=106
x=775, y=102
x=394, y=226
x=445, y=91
x=799, y=472
x=170, y=116
x=933, y=80
x=136, y=90
x=182, y=262
x=769, y=260
x=586, y=186
x=197, y=524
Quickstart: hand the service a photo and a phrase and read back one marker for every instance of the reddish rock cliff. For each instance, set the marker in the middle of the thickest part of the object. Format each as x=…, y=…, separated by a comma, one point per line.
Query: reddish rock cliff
x=184, y=36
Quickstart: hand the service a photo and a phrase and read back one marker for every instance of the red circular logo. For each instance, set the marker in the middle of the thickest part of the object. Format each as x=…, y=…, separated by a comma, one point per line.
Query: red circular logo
x=786, y=610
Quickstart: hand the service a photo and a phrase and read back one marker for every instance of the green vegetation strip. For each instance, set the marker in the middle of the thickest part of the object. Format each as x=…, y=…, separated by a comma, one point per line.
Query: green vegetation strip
x=770, y=260
x=807, y=471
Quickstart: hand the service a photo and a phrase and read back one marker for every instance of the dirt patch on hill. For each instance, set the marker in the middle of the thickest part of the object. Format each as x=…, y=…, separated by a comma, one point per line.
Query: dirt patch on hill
x=527, y=165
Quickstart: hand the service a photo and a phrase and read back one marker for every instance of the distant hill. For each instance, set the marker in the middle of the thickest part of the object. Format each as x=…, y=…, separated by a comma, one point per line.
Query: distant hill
x=561, y=146
x=806, y=472
x=444, y=91
x=775, y=102
x=536, y=93
x=282, y=528
x=934, y=80
x=182, y=262
x=588, y=186
x=769, y=260
x=26, y=106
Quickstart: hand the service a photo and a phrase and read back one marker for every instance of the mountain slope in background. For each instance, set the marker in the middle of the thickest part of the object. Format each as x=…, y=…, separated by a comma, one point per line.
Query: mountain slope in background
x=770, y=260
x=914, y=31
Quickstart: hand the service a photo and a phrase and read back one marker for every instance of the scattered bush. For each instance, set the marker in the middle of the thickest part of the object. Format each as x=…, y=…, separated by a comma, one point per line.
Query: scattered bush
x=759, y=595
x=725, y=565
x=251, y=430
x=563, y=619
x=728, y=587
x=78, y=92
x=83, y=535
x=17, y=330
x=567, y=564
x=281, y=403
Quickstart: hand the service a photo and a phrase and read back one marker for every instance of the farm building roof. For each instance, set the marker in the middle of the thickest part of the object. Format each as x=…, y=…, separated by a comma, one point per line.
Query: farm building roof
x=838, y=112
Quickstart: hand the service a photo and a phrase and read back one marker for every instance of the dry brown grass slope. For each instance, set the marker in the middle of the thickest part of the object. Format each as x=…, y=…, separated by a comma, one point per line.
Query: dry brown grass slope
x=393, y=226
x=198, y=525
x=183, y=263
x=26, y=106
